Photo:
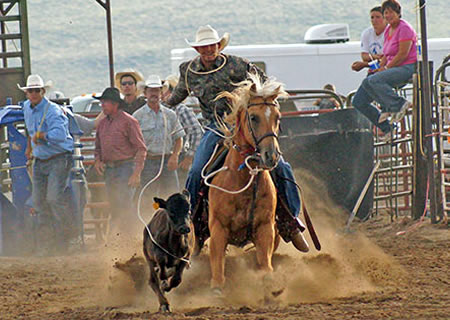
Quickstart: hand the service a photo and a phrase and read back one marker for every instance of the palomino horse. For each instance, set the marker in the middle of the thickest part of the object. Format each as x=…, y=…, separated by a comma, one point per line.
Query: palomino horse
x=247, y=216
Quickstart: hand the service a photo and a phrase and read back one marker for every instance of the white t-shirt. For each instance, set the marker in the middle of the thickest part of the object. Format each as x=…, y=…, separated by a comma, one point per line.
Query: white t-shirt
x=370, y=42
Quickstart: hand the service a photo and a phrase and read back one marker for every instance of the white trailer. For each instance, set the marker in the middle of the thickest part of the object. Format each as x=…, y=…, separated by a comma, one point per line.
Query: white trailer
x=311, y=65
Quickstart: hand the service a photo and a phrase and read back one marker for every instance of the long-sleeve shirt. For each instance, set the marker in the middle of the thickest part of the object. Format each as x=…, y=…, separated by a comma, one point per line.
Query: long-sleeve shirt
x=85, y=124
x=157, y=125
x=55, y=126
x=191, y=126
x=206, y=87
x=119, y=137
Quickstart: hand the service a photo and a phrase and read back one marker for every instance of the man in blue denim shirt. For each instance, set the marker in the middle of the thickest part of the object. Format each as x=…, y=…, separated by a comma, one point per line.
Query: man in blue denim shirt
x=50, y=145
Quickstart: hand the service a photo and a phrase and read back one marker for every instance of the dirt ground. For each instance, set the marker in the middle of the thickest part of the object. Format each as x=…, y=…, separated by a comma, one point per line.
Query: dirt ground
x=371, y=273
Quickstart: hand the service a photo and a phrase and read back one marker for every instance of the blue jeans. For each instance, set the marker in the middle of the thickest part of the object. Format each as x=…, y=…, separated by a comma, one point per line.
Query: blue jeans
x=204, y=152
x=166, y=184
x=49, y=199
x=379, y=87
x=120, y=194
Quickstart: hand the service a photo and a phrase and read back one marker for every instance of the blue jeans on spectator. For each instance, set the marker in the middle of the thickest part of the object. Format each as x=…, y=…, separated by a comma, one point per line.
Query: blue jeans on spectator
x=204, y=152
x=379, y=87
x=120, y=194
x=166, y=184
x=49, y=181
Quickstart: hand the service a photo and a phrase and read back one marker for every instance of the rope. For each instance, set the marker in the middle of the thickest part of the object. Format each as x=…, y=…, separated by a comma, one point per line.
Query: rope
x=253, y=172
x=142, y=192
x=219, y=133
x=201, y=72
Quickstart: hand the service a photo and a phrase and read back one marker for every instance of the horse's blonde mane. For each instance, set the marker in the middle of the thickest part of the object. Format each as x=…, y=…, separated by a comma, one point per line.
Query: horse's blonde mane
x=241, y=96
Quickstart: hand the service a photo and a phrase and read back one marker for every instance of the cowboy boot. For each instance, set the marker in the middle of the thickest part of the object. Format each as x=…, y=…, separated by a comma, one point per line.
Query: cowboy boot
x=290, y=227
x=299, y=241
x=200, y=220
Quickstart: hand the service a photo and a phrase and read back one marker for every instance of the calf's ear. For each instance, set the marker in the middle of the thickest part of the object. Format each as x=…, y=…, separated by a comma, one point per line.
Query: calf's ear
x=160, y=202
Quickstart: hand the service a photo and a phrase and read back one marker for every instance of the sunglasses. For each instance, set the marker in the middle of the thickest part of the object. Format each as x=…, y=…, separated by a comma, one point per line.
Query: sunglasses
x=37, y=90
x=124, y=83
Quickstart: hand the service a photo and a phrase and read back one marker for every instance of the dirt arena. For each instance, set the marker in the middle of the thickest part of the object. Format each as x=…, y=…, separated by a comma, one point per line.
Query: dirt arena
x=371, y=273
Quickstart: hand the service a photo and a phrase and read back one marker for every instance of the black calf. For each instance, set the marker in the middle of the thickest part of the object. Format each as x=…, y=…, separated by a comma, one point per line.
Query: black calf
x=171, y=247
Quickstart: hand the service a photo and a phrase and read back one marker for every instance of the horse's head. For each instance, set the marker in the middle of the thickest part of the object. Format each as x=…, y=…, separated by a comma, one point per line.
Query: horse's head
x=260, y=126
x=256, y=116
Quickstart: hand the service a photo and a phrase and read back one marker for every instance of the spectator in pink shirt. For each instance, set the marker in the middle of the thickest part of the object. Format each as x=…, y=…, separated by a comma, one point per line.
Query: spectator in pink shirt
x=396, y=67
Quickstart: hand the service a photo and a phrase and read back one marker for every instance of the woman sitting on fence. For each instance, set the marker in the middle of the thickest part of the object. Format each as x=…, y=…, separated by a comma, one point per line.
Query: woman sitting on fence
x=396, y=67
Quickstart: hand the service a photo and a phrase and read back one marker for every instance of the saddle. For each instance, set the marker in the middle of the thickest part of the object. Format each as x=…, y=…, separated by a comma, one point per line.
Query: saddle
x=287, y=224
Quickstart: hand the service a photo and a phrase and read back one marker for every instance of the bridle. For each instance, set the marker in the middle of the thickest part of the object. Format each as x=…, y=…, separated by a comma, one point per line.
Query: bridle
x=257, y=140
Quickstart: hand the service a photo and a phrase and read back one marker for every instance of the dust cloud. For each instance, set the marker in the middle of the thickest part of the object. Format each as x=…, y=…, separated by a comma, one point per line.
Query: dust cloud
x=348, y=264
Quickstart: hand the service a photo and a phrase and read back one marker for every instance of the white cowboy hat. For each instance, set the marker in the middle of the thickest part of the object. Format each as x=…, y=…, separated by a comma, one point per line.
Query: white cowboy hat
x=206, y=35
x=153, y=81
x=35, y=81
x=129, y=72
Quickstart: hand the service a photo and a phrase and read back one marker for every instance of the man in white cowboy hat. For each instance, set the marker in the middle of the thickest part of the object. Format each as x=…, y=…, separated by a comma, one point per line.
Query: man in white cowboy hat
x=163, y=137
x=119, y=157
x=51, y=146
x=204, y=77
x=127, y=82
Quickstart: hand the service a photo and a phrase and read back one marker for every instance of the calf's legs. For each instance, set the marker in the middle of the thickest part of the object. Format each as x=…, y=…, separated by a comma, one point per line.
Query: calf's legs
x=156, y=287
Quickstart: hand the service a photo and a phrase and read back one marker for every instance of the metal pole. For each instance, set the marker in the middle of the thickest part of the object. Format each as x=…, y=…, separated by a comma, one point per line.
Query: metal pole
x=107, y=6
x=427, y=105
x=110, y=42
x=3, y=31
x=361, y=196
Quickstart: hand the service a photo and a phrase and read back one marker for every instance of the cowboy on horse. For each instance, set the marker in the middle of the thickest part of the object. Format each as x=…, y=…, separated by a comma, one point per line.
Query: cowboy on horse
x=205, y=77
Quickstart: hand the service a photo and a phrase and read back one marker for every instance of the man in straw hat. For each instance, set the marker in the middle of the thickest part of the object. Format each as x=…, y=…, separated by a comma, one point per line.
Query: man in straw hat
x=127, y=82
x=119, y=155
x=51, y=146
x=163, y=136
x=204, y=77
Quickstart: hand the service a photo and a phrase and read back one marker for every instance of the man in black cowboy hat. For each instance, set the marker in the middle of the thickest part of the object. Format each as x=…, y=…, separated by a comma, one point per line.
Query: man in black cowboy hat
x=120, y=153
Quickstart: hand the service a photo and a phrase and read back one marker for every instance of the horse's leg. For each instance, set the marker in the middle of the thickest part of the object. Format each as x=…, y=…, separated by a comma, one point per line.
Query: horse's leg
x=276, y=242
x=217, y=246
x=264, y=243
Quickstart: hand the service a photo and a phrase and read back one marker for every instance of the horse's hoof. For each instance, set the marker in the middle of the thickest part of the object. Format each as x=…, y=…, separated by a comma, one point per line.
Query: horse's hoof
x=277, y=293
x=217, y=292
x=164, y=308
